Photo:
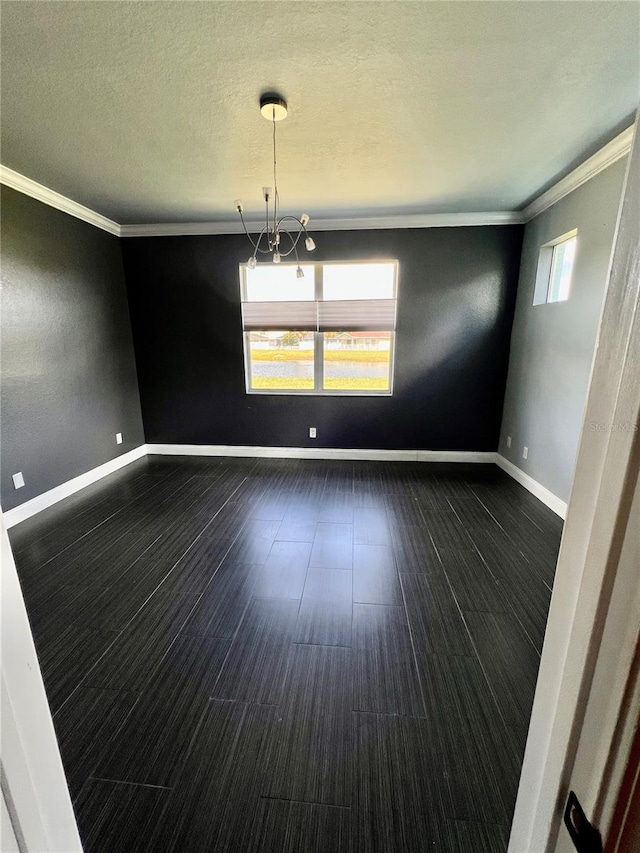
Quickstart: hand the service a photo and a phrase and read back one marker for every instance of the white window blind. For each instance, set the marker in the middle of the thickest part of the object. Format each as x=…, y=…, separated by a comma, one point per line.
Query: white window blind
x=362, y=315
x=266, y=316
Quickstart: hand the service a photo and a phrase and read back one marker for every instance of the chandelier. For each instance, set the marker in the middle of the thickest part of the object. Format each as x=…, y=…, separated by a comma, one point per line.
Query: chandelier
x=274, y=239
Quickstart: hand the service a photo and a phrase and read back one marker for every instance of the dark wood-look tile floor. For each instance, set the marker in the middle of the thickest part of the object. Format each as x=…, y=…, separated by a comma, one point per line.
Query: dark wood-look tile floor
x=284, y=655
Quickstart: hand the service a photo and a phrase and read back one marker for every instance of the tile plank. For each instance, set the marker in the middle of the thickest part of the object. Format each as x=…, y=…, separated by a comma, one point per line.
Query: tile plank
x=299, y=522
x=255, y=668
x=509, y=661
x=474, y=587
x=375, y=576
x=254, y=542
x=290, y=827
x=413, y=550
x=332, y=546
x=67, y=656
x=462, y=836
x=370, y=526
x=386, y=677
x=435, y=620
x=446, y=529
x=116, y=816
x=194, y=571
x=84, y=728
x=319, y=678
x=389, y=813
x=130, y=663
x=482, y=775
x=285, y=571
x=219, y=810
x=325, y=613
x=153, y=743
x=220, y=609
x=312, y=757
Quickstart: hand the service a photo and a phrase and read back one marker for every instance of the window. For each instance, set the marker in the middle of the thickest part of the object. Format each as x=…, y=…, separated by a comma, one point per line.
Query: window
x=330, y=332
x=555, y=268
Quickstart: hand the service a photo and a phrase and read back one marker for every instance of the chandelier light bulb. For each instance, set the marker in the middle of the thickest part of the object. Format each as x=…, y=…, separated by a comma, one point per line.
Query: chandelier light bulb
x=238, y=205
x=276, y=257
x=266, y=193
x=299, y=273
x=304, y=219
x=309, y=243
x=251, y=263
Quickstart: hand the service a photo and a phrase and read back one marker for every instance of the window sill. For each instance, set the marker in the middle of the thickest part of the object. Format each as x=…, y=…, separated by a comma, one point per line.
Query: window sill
x=272, y=393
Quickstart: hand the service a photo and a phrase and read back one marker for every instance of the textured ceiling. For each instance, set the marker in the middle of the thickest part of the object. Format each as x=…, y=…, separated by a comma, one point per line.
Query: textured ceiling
x=147, y=111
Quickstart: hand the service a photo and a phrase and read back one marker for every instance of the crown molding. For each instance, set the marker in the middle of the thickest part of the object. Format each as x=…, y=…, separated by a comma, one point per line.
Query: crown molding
x=410, y=220
x=606, y=156
x=619, y=146
x=25, y=185
x=420, y=220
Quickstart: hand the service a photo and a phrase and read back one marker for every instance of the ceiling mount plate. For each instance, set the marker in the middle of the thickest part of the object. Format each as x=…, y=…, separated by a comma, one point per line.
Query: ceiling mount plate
x=273, y=107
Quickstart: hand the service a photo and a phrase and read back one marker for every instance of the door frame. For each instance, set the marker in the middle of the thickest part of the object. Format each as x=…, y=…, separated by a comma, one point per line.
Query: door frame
x=34, y=786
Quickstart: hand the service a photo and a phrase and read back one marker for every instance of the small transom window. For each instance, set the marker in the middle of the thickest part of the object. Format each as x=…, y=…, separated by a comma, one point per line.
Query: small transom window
x=555, y=269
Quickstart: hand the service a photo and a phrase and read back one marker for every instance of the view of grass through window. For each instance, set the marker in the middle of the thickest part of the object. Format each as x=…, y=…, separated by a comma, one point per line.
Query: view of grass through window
x=331, y=358
x=282, y=361
x=357, y=361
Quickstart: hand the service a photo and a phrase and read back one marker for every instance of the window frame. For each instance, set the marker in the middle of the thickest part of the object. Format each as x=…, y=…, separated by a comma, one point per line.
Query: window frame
x=318, y=337
x=547, y=260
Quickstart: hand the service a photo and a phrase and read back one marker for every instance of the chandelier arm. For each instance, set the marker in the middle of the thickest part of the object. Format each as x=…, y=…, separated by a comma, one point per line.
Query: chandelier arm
x=290, y=216
x=293, y=246
x=246, y=231
x=302, y=228
x=258, y=241
x=293, y=243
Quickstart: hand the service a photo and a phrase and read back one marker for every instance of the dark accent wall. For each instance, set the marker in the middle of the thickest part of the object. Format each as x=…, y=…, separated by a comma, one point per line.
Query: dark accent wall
x=68, y=368
x=457, y=289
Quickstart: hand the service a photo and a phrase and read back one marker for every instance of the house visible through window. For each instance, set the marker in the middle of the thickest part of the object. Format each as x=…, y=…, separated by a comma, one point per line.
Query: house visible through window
x=330, y=332
x=555, y=269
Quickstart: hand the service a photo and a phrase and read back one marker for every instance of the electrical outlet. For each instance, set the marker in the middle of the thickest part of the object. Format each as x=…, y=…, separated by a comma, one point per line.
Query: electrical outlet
x=118, y=438
x=508, y=441
x=18, y=480
x=525, y=452
x=312, y=432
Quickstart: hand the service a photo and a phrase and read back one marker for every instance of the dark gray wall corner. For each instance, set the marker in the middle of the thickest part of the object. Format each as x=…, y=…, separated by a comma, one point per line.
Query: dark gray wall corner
x=457, y=289
x=68, y=370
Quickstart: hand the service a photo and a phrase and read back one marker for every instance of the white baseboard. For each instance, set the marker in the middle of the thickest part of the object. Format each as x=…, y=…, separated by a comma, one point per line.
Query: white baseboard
x=481, y=456
x=541, y=492
x=46, y=499
x=320, y=453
